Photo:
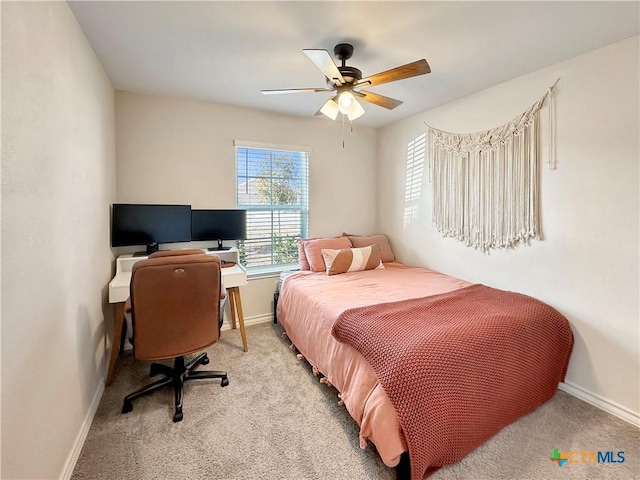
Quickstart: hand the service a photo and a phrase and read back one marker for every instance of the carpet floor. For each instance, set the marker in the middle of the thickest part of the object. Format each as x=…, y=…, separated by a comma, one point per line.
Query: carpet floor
x=276, y=421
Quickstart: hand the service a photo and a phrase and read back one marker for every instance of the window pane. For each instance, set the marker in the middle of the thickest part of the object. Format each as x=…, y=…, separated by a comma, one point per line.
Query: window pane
x=272, y=185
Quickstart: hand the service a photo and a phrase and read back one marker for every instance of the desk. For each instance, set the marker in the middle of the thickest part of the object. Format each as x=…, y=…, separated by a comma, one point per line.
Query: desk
x=232, y=278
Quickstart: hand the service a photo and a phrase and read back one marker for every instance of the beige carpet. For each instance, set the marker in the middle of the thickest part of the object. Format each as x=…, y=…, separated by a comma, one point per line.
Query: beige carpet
x=275, y=421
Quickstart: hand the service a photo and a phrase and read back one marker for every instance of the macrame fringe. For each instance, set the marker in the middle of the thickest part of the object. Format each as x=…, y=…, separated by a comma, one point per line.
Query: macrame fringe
x=486, y=184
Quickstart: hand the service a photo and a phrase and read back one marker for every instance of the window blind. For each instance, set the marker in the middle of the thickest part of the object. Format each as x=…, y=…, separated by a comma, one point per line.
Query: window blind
x=273, y=186
x=413, y=177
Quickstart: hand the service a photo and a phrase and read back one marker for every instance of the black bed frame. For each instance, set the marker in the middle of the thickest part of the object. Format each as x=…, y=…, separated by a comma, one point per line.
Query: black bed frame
x=275, y=306
x=404, y=467
x=403, y=470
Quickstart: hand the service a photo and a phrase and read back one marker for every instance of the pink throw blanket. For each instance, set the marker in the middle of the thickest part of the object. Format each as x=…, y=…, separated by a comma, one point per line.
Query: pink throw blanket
x=460, y=366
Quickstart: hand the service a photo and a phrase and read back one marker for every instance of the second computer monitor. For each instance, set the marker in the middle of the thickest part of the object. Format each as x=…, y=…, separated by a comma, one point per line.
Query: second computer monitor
x=218, y=225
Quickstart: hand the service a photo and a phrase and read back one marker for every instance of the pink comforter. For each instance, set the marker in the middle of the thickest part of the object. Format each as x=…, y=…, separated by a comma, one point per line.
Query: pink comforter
x=308, y=306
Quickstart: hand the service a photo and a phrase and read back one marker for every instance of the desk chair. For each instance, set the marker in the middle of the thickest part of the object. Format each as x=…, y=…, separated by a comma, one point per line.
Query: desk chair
x=175, y=310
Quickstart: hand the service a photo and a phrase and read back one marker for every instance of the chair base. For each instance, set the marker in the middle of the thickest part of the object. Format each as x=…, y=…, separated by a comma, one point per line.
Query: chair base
x=175, y=376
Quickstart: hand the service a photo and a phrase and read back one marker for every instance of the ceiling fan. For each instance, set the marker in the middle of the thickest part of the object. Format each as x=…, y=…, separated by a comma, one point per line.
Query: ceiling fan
x=347, y=81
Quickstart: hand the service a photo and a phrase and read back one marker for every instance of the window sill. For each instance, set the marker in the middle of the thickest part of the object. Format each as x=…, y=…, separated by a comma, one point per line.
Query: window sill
x=256, y=273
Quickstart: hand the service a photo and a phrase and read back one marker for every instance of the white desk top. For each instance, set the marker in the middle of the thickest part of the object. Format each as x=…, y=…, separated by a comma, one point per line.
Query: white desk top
x=235, y=276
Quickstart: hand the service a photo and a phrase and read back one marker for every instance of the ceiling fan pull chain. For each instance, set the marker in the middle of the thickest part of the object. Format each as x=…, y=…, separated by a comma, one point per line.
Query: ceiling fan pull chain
x=343, y=130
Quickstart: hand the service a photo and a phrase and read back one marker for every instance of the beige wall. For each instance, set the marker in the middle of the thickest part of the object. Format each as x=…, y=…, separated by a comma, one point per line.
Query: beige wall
x=587, y=265
x=173, y=150
x=58, y=179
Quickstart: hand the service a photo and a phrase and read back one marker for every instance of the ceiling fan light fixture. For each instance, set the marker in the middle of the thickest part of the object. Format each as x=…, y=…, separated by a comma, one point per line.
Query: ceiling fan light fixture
x=346, y=101
x=330, y=109
x=356, y=111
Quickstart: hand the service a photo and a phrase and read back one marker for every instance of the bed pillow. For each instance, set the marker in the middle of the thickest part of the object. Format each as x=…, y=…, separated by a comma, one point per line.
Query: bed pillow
x=381, y=240
x=313, y=250
x=303, y=263
x=352, y=259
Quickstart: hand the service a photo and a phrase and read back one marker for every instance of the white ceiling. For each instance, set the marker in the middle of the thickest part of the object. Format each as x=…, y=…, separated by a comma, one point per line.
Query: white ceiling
x=226, y=52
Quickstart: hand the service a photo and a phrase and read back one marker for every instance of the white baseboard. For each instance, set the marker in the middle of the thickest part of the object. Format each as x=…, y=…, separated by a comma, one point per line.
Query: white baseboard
x=267, y=317
x=602, y=403
x=72, y=459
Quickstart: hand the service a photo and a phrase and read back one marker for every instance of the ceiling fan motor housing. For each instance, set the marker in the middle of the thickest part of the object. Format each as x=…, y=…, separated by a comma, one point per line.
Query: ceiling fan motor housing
x=343, y=52
x=350, y=75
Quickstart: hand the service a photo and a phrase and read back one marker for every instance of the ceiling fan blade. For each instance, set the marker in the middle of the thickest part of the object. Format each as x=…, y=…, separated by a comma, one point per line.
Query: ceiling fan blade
x=325, y=63
x=380, y=100
x=409, y=70
x=296, y=90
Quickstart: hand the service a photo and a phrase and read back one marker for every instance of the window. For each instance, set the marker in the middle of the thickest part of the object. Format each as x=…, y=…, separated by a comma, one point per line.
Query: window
x=413, y=178
x=272, y=184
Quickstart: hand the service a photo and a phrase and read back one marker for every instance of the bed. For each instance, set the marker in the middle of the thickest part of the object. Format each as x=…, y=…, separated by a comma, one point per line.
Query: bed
x=450, y=388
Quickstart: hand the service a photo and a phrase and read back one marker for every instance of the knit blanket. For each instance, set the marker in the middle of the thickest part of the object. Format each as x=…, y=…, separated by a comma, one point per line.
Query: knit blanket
x=460, y=366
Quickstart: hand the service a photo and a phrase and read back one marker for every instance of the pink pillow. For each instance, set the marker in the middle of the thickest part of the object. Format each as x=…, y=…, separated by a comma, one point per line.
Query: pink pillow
x=313, y=250
x=381, y=240
x=303, y=263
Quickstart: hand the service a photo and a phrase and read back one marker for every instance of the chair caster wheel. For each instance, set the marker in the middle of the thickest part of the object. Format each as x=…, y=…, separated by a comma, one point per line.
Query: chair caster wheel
x=224, y=382
x=127, y=407
x=205, y=361
x=177, y=417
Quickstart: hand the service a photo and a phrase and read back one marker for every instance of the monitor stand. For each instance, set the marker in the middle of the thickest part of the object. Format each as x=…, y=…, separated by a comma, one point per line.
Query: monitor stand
x=219, y=247
x=151, y=248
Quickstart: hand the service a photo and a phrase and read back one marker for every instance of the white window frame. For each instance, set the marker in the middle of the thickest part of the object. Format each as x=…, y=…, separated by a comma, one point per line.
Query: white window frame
x=303, y=206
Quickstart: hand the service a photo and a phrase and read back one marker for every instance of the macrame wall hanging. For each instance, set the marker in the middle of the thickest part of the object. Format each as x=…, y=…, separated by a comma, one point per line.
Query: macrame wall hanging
x=485, y=184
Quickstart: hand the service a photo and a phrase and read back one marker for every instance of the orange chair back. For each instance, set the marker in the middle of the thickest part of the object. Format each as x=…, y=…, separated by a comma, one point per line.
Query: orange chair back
x=175, y=304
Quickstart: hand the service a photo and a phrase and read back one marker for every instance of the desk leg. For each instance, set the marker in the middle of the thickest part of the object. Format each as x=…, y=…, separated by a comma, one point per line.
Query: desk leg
x=236, y=310
x=232, y=308
x=118, y=321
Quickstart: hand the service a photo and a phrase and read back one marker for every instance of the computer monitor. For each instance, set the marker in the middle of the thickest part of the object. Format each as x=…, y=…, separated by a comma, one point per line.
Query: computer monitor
x=145, y=224
x=218, y=225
